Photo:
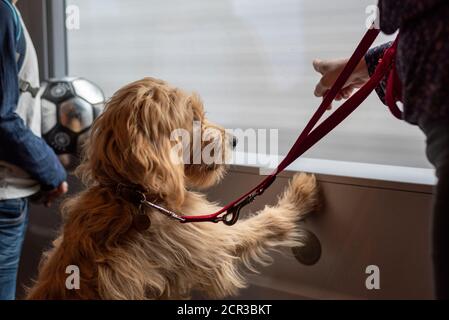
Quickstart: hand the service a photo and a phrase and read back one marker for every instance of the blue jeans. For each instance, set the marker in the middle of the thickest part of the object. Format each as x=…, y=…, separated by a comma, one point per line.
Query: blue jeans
x=13, y=223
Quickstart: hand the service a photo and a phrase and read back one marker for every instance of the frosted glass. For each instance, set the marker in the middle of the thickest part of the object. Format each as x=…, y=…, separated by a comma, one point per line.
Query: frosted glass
x=251, y=61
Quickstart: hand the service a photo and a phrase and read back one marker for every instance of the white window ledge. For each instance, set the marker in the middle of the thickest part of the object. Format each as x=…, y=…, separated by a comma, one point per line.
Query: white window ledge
x=370, y=171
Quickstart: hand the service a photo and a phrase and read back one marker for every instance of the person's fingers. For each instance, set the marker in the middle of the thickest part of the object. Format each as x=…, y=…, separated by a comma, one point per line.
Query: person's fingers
x=349, y=91
x=321, y=88
x=52, y=195
x=49, y=200
x=321, y=66
x=330, y=69
x=358, y=83
x=63, y=188
x=329, y=107
x=346, y=92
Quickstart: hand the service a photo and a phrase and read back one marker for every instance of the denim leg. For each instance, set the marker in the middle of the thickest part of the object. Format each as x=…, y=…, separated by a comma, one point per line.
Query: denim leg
x=437, y=133
x=13, y=223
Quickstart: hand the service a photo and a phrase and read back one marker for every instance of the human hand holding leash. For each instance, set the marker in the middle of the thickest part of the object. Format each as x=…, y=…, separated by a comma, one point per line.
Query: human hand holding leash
x=331, y=69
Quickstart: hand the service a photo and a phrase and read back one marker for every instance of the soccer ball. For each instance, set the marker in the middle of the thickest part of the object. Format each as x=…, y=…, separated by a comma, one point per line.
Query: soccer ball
x=69, y=108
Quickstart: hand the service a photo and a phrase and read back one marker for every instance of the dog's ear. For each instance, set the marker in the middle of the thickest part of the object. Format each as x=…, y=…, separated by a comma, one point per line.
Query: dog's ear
x=130, y=142
x=158, y=111
x=162, y=172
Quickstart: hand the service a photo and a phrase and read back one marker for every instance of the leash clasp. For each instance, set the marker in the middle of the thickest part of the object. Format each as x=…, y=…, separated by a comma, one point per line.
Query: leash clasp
x=166, y=212
x=138, y=197
x=232, y=214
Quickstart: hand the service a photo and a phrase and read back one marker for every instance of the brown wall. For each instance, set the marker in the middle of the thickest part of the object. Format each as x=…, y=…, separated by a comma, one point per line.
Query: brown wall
x=363, y=222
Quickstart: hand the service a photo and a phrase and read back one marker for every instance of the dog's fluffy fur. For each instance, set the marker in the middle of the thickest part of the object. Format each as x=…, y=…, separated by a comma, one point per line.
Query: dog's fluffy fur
x=130, y=143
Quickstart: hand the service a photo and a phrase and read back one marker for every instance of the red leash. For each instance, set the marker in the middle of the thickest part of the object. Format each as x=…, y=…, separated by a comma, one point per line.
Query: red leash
x=310, y=136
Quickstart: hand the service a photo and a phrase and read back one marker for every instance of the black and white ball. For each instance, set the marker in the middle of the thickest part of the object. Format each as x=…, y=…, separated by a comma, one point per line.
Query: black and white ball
x=69, y=108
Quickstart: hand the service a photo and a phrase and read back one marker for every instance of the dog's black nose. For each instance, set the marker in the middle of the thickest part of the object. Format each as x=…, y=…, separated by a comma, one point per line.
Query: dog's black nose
x=234, y=141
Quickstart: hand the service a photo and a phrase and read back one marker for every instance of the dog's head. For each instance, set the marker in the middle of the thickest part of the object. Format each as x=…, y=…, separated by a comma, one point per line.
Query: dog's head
x=156, y=136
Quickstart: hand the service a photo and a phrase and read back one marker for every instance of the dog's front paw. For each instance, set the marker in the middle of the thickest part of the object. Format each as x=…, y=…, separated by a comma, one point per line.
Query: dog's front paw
x=302, y=193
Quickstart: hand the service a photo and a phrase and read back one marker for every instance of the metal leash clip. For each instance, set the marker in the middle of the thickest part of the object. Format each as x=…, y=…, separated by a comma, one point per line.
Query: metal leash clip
x=135, y=195
x=166, y=212
x=232, y=214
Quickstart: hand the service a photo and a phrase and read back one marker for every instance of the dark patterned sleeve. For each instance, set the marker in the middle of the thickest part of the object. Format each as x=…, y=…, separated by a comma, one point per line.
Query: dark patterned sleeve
x=372, y=58
x=394, y=13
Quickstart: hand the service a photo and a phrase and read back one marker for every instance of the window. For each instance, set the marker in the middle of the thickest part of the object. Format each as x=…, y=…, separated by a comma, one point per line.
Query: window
x=249, y=60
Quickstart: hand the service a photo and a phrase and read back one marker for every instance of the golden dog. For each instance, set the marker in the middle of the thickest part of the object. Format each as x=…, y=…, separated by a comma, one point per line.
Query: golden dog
x=131, y=143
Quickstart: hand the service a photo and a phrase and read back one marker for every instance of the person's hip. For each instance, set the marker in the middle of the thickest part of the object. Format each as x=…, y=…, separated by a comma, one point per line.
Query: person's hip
x=13, y=212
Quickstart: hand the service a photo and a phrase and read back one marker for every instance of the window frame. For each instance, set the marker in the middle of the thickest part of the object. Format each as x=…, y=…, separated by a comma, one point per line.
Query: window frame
x=45, y=20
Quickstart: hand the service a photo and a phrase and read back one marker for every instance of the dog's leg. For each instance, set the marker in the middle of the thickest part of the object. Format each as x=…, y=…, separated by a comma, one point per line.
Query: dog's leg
x=249, y=241
x=278, y=225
